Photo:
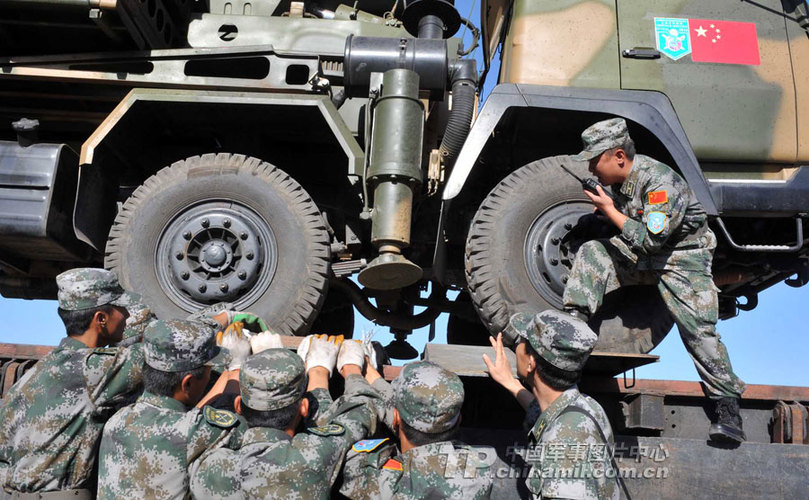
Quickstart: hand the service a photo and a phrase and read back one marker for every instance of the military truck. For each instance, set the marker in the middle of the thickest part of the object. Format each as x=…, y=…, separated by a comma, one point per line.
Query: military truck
x=302, y=159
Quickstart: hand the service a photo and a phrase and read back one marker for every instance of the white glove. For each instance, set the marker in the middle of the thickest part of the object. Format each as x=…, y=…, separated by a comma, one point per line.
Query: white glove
x=320, y=350
x=265, y=340
x=351, y=353
x=238, y=345
x=368, y=348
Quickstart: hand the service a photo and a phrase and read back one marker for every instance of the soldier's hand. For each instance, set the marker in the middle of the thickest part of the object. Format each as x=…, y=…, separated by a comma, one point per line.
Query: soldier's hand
x=602, y=201
x=500, y=370
x=265, y=340
x=249, y=320
x=238, y=345
x=351, y=353
x=320, y=350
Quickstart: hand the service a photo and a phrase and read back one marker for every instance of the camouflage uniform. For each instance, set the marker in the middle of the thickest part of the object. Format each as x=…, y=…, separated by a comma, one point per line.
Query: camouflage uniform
x=147, y=448
x=665, y=242
x=51, y=420
x=140, y=317
x=570, y=443
x=270, y=463
x=429, y=399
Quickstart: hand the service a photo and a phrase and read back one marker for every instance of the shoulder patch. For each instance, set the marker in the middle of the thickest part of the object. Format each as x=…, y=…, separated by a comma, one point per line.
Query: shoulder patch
x=327, y=430
x=656, y=222
x=658, y=197
x=392, y=464
x=219, y=418
x=110, y=351
x=368, y=445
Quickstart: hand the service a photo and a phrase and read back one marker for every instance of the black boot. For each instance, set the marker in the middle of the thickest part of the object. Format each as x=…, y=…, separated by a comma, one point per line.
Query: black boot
x=728, y=424
x=578, y=314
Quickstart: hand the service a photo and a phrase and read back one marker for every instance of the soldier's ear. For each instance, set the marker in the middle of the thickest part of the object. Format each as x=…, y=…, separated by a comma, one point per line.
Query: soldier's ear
x=397, y=420
x=237, y=404
x=304, y=407
x=185, y=384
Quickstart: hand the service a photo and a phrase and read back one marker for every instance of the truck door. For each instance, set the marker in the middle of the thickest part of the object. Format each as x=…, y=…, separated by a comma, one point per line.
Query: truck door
x=726, y=67
x=798, y=12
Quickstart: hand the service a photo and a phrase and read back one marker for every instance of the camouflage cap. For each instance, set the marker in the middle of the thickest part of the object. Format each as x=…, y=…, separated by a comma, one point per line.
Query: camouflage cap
x=560, y=339
x=90, y=287
x=602, y=136
x=177, y=345
x=140, y=316
x=272, y=379
x=517, y=324
x=428, y=397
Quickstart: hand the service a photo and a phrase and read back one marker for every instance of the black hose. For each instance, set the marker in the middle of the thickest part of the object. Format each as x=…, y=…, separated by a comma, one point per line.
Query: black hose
x=384, y=318
x=463, y=107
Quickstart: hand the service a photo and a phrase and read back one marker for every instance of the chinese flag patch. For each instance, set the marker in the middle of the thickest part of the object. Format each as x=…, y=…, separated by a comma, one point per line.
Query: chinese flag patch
x=392, y=464
x=727, y=42
x=658, y=197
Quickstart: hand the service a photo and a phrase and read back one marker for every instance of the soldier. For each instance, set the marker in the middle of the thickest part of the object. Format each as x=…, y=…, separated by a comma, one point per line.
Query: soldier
x=147, y=448
x=276, y=461
x=665, y=240
x=51, y=420
x=140, y=317
x=552, y=350
x=426, y=415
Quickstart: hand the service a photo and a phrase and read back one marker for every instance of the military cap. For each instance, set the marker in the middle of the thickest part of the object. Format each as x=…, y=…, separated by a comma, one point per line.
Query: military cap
x=88, y=288
x=428, y=397
x=140, y=316
x=177, y=345
x=602, y=136
x=559, y=338
x=272, y=379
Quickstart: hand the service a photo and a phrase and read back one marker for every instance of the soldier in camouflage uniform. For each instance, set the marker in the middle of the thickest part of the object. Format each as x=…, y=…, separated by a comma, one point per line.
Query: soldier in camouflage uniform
x=51, y=420
x=665, y=241
x=426, y=414
x=140, y=317
x=276, y=461
x=147, y=448
x=566, y=426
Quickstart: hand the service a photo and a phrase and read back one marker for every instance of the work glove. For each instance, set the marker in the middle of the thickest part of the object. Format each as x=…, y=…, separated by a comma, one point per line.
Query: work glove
x=320, y=350
x=237, y=342
x=248, y=320
x=374, y=351
x=265, y=340
x=352, y=352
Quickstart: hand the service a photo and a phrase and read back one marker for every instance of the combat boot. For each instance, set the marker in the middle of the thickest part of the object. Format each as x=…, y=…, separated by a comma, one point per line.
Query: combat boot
x=728, y=424
x=578, y=314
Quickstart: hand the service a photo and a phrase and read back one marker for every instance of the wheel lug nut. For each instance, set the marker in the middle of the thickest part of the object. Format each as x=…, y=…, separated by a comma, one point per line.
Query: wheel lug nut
x=187, y=235
x=554, y=262
x=226, y=223
x=555, y=241
x=185, y=275
x=223, y=287
x=243, y=235
x=568, y=226
x=242, y=275
x=206, y=223
x=249, y=255
x=564, y=279
x=202, y=288
x=179, y=255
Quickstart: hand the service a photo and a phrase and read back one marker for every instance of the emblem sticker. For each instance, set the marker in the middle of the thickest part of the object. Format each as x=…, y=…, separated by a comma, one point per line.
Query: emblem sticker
x=327, y=430
x=656, y=222
x=392, y=464
x=220, y=418
x=673, y=37
x=658, y=197
x=367, y=445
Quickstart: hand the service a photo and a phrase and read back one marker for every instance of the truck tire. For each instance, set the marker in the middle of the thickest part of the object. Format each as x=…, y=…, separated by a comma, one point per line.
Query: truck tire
x=518, y=258
x=223, y=228
x=336, y=317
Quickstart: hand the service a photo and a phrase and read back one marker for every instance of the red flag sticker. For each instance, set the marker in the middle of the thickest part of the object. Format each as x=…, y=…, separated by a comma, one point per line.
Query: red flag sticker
x=726, y=42
x=392, y=464
x=658, y=197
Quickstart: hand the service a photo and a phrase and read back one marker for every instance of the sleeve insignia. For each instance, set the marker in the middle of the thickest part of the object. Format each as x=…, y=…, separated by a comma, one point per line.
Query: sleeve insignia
x=219, y=418
x=392, y=464
x=111, y=351
x=327, y=430
x=656, y=222
x=367, y=445
x=658, y=197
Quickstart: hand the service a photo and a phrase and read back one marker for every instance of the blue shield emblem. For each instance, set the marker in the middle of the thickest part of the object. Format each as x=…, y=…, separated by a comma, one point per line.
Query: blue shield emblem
x=673, y=37
x=367, y=445
x=656, y=222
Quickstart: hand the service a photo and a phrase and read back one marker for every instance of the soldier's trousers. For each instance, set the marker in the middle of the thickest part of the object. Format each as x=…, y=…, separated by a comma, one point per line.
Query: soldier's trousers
x=690, y=297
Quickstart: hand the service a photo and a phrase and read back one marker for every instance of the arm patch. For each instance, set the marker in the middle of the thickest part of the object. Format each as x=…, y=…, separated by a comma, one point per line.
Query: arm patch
x=656, y=222
x=219, y=418
x=658, y=197
x=368, y=445
x=326, y=430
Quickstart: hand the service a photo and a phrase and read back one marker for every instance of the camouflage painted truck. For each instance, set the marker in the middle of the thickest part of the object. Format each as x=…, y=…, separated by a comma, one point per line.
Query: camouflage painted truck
x=303, y=159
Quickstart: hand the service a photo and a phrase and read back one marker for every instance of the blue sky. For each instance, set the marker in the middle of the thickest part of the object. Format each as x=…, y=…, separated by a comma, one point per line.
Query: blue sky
x=766, y=345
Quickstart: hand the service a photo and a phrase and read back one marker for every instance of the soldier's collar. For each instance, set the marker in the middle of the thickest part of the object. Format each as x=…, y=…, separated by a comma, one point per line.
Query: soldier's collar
x=71, y=343
x=553, y=411
x=166, y=402
x=255, y=435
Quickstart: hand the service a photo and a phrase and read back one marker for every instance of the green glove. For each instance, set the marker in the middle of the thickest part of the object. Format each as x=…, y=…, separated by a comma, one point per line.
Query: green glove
x=249, y=320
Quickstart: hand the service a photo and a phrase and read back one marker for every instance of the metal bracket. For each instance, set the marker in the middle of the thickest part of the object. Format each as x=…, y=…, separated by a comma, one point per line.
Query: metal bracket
x=765, y=248
x=641, y=53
